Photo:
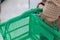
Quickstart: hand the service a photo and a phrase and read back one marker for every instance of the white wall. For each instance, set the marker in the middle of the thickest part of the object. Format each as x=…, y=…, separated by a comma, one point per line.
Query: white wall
x=12, y=8
x=33, y=3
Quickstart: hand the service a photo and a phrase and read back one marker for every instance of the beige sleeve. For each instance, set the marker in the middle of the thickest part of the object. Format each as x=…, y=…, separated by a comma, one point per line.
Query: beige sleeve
x=57, y=2
x=51, y=10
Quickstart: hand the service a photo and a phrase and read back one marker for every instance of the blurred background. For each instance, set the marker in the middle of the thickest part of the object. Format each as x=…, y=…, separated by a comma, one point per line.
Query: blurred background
x=12, y=8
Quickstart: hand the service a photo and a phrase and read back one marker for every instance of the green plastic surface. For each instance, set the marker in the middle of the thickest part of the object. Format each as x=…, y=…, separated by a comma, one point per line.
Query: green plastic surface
x=28, y=26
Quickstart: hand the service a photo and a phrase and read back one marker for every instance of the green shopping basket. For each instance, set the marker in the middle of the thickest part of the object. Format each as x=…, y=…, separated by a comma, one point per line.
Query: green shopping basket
x=28, y=26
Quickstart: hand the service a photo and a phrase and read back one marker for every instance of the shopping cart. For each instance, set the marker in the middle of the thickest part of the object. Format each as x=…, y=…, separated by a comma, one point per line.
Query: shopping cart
x=28, y=26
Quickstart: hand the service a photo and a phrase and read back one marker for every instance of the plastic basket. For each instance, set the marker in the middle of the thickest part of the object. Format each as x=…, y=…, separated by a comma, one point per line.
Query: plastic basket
x=28, y=26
